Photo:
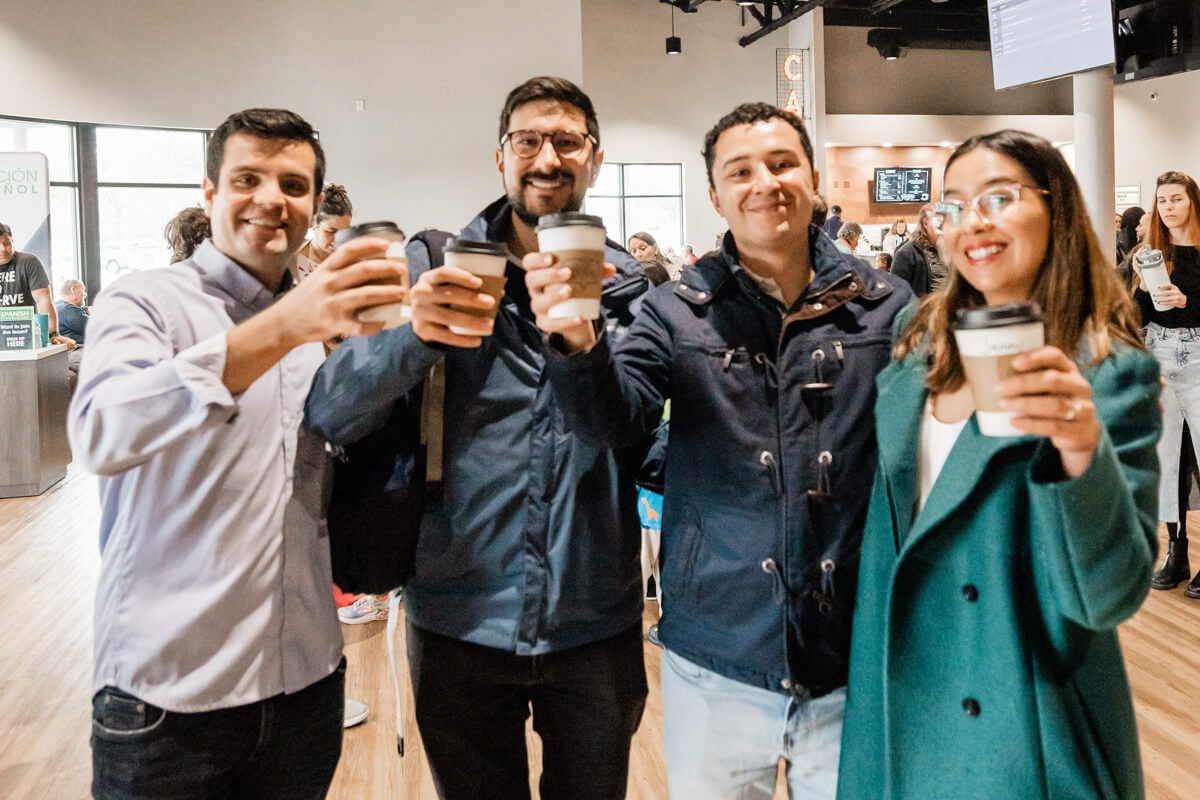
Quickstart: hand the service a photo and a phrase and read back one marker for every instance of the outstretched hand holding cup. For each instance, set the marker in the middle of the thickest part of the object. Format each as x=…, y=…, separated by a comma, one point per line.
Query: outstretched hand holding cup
x=565, y=280
x=390, y=314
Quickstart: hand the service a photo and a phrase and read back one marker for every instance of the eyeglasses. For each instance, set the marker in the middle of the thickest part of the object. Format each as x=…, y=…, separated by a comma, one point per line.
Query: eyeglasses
x=527, y=144
x=997, y=202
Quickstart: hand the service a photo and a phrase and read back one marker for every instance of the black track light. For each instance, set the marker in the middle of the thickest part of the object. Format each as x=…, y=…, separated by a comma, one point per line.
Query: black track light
x=674, y=43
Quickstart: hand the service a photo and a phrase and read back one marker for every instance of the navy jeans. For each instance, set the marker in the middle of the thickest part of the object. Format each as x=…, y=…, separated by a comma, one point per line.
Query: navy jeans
x=286, y=746
x=472, y=703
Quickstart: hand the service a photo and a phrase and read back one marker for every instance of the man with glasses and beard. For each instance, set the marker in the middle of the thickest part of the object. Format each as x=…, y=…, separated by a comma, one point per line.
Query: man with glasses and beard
x=526, y=589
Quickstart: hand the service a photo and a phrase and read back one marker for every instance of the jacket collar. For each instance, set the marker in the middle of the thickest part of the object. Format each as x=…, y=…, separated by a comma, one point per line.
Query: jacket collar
x=837, y=277
x=902, y=392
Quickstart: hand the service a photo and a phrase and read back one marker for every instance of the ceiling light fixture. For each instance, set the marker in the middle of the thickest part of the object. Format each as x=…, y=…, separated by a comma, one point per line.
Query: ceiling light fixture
x=674, y=43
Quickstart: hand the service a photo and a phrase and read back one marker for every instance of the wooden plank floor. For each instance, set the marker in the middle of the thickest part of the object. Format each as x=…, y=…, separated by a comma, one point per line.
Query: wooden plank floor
x=48, y=565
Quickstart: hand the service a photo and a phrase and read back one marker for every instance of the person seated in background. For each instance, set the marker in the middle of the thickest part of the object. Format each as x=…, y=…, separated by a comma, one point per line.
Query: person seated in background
x=883, y=261
x=659, y=268
x=334, y=215
x=73, y=316
x=23, y=282
x=73, y=311
x=689, y=255
x=896, y=236
x=186, y=231
x=848, y=237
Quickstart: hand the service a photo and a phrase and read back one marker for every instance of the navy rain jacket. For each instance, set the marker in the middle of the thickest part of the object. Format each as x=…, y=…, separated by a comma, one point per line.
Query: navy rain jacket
x=536, y=545
x=768, y=473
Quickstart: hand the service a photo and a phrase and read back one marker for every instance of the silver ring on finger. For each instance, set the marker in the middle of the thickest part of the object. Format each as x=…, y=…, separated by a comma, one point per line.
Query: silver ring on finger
x=1076, y=407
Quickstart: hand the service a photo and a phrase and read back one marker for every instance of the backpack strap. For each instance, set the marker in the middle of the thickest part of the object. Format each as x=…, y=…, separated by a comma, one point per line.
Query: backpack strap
x=426, y=250
x=433, y=403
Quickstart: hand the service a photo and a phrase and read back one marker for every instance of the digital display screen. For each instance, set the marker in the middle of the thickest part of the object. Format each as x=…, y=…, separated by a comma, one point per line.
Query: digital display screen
x=1035, y=40
x=902, y=184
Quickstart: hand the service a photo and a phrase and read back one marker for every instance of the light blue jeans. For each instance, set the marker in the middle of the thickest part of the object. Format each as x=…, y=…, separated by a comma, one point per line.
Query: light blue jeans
x=723, y=739
x=1178, y=353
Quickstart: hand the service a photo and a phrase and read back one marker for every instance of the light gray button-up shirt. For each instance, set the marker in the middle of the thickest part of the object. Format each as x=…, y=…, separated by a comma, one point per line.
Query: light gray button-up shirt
x=215, y=581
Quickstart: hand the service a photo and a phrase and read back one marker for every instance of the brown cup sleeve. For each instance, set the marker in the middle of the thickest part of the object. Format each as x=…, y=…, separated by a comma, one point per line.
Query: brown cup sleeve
x=493, y=285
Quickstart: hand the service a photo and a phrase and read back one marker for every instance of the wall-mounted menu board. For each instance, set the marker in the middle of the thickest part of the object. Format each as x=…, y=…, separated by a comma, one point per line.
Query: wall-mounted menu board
x=902, y=184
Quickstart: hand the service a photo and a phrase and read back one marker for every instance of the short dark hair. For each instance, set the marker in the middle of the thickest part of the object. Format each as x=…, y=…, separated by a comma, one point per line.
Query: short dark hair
x=264, y=123
x=887, y=260
x=836, y=209
x=186, y=231
x=4, y=229
x=820, y=210
x=748, y=114
x=550, y=88
x=334, y=202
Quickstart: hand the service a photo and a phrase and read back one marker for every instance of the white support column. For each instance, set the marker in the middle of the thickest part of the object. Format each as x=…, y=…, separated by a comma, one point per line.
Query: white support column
x=1095, y=151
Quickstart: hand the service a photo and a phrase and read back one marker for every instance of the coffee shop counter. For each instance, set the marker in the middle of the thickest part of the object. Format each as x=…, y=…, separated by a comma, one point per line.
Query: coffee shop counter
x=34, y=394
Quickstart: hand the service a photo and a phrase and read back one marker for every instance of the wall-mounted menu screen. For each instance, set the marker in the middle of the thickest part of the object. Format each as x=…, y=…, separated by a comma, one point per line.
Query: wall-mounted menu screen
x=902, y=184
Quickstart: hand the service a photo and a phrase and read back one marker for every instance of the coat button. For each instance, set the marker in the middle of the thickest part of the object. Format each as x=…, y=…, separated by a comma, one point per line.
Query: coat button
x=785, y=684
x=971, y=707
x=970, y=593
x=818, y=306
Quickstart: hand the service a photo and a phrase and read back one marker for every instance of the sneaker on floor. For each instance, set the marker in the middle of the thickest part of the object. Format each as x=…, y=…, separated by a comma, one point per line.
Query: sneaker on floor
x=355, y=713
x=366, y=609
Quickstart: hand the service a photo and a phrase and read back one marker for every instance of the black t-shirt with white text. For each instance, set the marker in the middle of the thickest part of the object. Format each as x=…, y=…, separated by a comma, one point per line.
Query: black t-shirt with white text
x=20, y=278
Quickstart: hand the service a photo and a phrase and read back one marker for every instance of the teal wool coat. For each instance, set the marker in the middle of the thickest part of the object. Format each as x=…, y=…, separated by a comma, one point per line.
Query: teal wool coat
x=985, y=661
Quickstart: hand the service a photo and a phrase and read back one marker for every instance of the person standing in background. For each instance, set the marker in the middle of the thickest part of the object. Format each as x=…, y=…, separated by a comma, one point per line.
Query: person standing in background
x=186, y=231
x=334, y=215
x=834, y=223
x=659, y=268
x=896, y=236
x=1173, y=337
x=23, y=282
x=918, y=260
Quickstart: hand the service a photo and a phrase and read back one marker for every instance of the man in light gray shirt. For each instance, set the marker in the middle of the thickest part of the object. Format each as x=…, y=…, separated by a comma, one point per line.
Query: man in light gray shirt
x=219, y=670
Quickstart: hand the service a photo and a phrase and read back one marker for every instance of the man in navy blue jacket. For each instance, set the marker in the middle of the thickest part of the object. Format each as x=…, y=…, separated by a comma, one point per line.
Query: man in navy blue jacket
x=526, y=590
x=768, y=352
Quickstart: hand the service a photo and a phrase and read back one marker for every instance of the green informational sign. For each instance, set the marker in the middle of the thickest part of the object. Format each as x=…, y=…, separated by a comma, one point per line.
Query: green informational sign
x=16, y=329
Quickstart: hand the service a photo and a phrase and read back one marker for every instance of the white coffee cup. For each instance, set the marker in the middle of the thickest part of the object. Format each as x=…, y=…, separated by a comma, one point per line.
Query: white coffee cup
x=988, y=340
x=578, y=242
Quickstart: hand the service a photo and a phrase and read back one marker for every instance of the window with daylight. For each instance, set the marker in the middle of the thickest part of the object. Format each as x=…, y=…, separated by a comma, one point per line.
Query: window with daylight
x=57, y=142
x=640, y=197
x=112, y=191
x=144, y=176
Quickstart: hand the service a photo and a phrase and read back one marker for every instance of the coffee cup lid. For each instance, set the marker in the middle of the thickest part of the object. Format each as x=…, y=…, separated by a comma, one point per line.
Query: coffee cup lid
x=1147, y=256
x=997, y=316
x=569, y=218
x=455, y=245
x=382, y=228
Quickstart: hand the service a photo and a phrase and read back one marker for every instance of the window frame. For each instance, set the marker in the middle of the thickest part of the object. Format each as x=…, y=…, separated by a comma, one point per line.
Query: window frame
x=87, y=187
x=622, y=196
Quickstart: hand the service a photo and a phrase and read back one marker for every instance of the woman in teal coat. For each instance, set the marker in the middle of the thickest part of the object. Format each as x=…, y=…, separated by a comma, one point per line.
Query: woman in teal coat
x=985, y=660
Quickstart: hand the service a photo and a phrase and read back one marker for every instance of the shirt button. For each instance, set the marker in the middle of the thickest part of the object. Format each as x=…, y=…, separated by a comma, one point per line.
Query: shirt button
x=971, y=707
x=970, y=593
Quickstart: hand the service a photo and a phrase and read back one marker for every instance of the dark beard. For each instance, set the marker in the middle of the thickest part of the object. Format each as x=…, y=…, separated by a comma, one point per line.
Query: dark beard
x=517, y=198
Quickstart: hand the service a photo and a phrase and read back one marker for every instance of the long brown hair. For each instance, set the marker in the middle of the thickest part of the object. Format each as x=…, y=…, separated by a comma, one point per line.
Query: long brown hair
x=1160, y=236
x=1076, y=286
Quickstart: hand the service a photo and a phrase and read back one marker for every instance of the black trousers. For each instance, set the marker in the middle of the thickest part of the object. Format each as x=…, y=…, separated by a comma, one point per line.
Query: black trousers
x=472, y=703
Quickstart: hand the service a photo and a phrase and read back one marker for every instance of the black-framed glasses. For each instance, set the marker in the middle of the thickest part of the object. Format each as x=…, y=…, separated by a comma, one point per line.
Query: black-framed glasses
x=527, y=144
x=995, y=202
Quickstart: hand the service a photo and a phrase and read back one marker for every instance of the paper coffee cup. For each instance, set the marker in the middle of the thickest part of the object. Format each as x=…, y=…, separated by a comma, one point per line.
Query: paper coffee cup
x=392, y=315
x=988, y=340
x=577, y=240
x=487, y=261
